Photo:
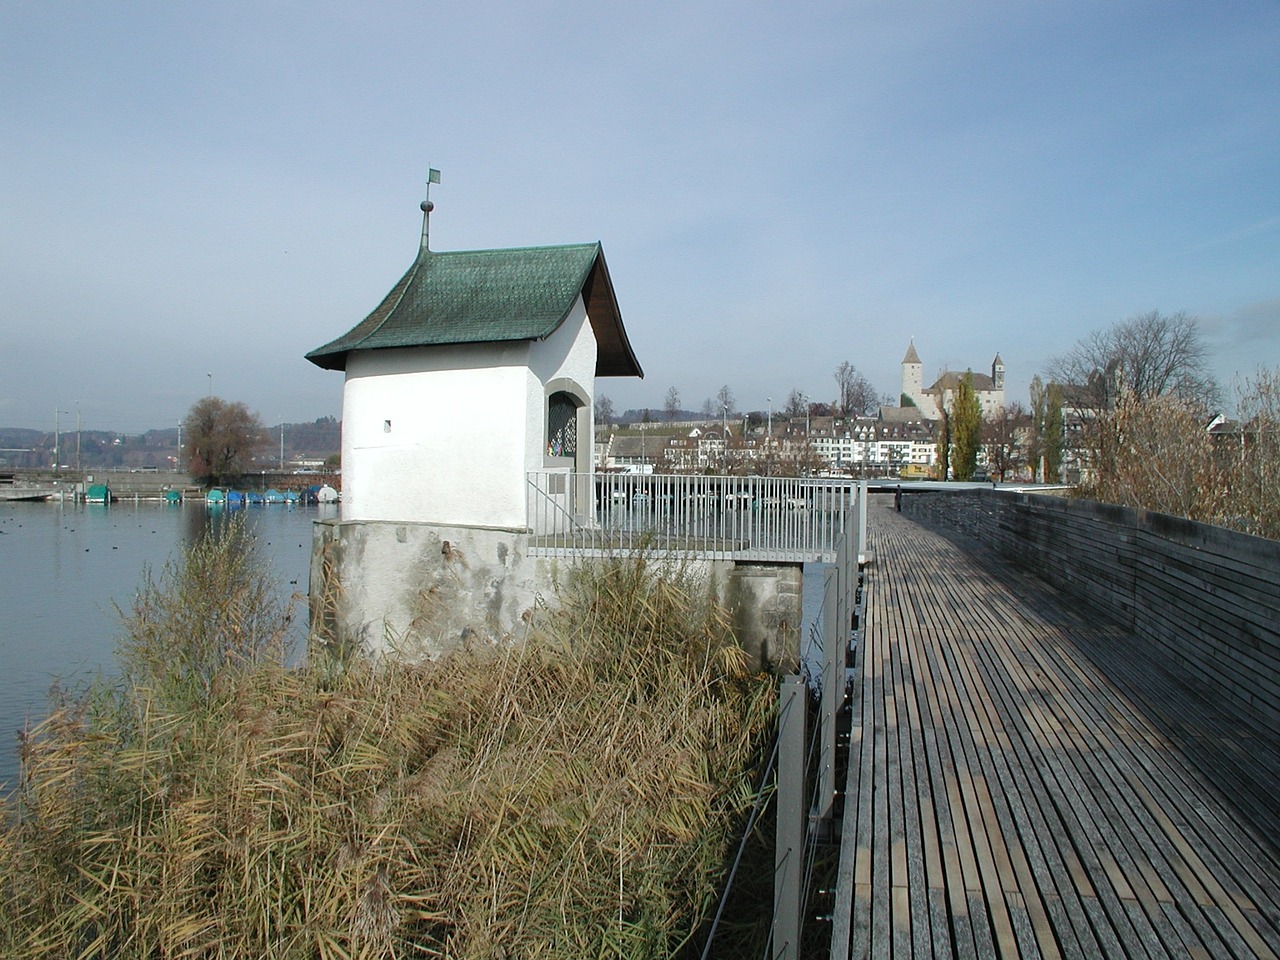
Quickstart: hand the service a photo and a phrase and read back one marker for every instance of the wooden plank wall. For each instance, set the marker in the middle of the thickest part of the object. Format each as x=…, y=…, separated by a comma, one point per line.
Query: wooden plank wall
x=1028, y=778
x=1207, y=597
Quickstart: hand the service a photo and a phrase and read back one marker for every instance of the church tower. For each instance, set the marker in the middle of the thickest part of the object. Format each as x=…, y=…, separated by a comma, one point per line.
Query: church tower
x=997, y=373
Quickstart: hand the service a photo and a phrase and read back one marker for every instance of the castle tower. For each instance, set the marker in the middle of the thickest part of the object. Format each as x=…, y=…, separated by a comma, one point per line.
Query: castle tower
x=912, y=373
x=997, y=372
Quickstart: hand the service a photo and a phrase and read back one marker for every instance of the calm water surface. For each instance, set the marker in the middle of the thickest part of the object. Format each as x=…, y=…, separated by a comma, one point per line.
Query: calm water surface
x=63, y=566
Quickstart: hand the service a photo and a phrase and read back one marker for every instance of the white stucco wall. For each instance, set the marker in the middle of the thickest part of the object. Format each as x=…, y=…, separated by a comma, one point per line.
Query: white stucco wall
x=435, y=435
x=569, y=354
x=446, y=435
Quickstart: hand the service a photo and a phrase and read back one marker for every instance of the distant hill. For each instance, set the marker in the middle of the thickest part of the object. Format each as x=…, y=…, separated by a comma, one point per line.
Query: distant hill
x=26, y=449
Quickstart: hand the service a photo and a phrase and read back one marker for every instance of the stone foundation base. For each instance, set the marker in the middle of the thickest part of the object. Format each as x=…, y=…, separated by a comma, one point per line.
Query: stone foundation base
x=419, y=590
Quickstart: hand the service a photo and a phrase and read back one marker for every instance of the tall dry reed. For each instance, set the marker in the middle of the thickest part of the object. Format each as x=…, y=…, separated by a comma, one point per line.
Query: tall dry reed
x=570, y=794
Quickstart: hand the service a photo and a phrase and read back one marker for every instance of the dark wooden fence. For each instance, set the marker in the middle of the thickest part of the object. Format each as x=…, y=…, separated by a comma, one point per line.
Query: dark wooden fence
x=1208, y=597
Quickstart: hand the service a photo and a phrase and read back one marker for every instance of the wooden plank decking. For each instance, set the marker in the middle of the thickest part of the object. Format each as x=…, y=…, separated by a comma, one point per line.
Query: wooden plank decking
x=1025, y=780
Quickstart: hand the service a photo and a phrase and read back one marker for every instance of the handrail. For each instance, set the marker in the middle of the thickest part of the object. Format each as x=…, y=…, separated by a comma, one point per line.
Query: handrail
x=803, y=757
x=767, y=518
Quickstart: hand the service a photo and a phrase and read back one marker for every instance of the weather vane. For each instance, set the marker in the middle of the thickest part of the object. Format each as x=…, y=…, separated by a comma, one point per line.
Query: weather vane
x=433, y=176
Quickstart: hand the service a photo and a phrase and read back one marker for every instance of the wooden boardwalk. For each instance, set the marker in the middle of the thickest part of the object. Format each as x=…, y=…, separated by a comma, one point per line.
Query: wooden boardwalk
x=1024, y=780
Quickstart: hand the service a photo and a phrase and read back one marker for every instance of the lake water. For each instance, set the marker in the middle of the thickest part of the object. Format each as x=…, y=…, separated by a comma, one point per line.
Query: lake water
x=63, y=566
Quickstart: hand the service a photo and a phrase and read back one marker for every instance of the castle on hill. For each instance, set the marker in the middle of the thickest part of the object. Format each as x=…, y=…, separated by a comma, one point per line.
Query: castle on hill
x=933, y=399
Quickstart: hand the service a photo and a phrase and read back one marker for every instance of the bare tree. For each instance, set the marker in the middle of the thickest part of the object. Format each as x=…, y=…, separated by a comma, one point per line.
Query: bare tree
x=857, y=397
x=1146, y=356
x=795, y=405
x=672, y=406
x=724, y=399
x=604, y=410
x=222, y=438
x=1160, y=454
x=1004, y=436
x=1161, y=457
x=1256, y=479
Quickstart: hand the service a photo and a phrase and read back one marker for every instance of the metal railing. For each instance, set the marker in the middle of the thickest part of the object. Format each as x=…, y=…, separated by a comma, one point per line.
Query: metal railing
x=760, y=518
x=804, y=764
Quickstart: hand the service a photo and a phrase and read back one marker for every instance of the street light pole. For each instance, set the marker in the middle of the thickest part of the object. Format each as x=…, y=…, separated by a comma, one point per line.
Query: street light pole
x=768, y=440
x=724, y=439
x=808, y=447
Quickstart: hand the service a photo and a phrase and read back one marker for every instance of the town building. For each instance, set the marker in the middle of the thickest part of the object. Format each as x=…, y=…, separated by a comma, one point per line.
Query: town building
x=931, y=400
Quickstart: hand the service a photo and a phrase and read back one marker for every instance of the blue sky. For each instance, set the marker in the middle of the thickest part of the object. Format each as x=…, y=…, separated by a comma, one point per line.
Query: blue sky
x=196, y=189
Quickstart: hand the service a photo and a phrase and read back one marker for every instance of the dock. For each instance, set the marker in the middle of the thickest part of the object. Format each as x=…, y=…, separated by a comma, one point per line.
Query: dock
x=1028, y=779
x=13, y=493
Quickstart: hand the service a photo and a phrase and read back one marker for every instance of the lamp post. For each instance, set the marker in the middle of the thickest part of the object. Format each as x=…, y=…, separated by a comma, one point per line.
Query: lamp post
x=768, y=440
x=57, y=440
x=807, y=446
x=724, y=439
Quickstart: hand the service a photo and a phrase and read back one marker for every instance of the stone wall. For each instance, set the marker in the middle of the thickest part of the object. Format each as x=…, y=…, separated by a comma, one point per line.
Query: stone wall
x=420, y=589
x=1207, y=596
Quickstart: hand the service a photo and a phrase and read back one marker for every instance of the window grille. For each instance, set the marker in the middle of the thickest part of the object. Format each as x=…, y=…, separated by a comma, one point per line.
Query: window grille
x=562, y=426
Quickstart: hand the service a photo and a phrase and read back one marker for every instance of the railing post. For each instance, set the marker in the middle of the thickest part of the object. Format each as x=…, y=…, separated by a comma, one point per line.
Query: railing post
x=831, y=692
x=788, y=857
x=860, y=553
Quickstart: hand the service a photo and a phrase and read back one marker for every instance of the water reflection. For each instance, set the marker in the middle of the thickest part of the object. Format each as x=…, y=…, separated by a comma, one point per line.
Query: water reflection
x=214, y=520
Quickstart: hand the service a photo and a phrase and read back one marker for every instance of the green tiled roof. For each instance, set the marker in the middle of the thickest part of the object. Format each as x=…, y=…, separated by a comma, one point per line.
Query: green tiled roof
x=492, y=296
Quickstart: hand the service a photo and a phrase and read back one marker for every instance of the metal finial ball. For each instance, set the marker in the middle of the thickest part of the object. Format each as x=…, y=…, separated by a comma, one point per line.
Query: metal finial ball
x=426, y=206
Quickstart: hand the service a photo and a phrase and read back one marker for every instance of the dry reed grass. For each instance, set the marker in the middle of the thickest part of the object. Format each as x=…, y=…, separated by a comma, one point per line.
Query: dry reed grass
x=571, y=794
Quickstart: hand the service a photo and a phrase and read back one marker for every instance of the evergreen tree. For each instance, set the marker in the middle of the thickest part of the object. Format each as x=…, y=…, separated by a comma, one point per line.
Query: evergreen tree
x=1044, y=453
x=1053, y=434
x=966, y=429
